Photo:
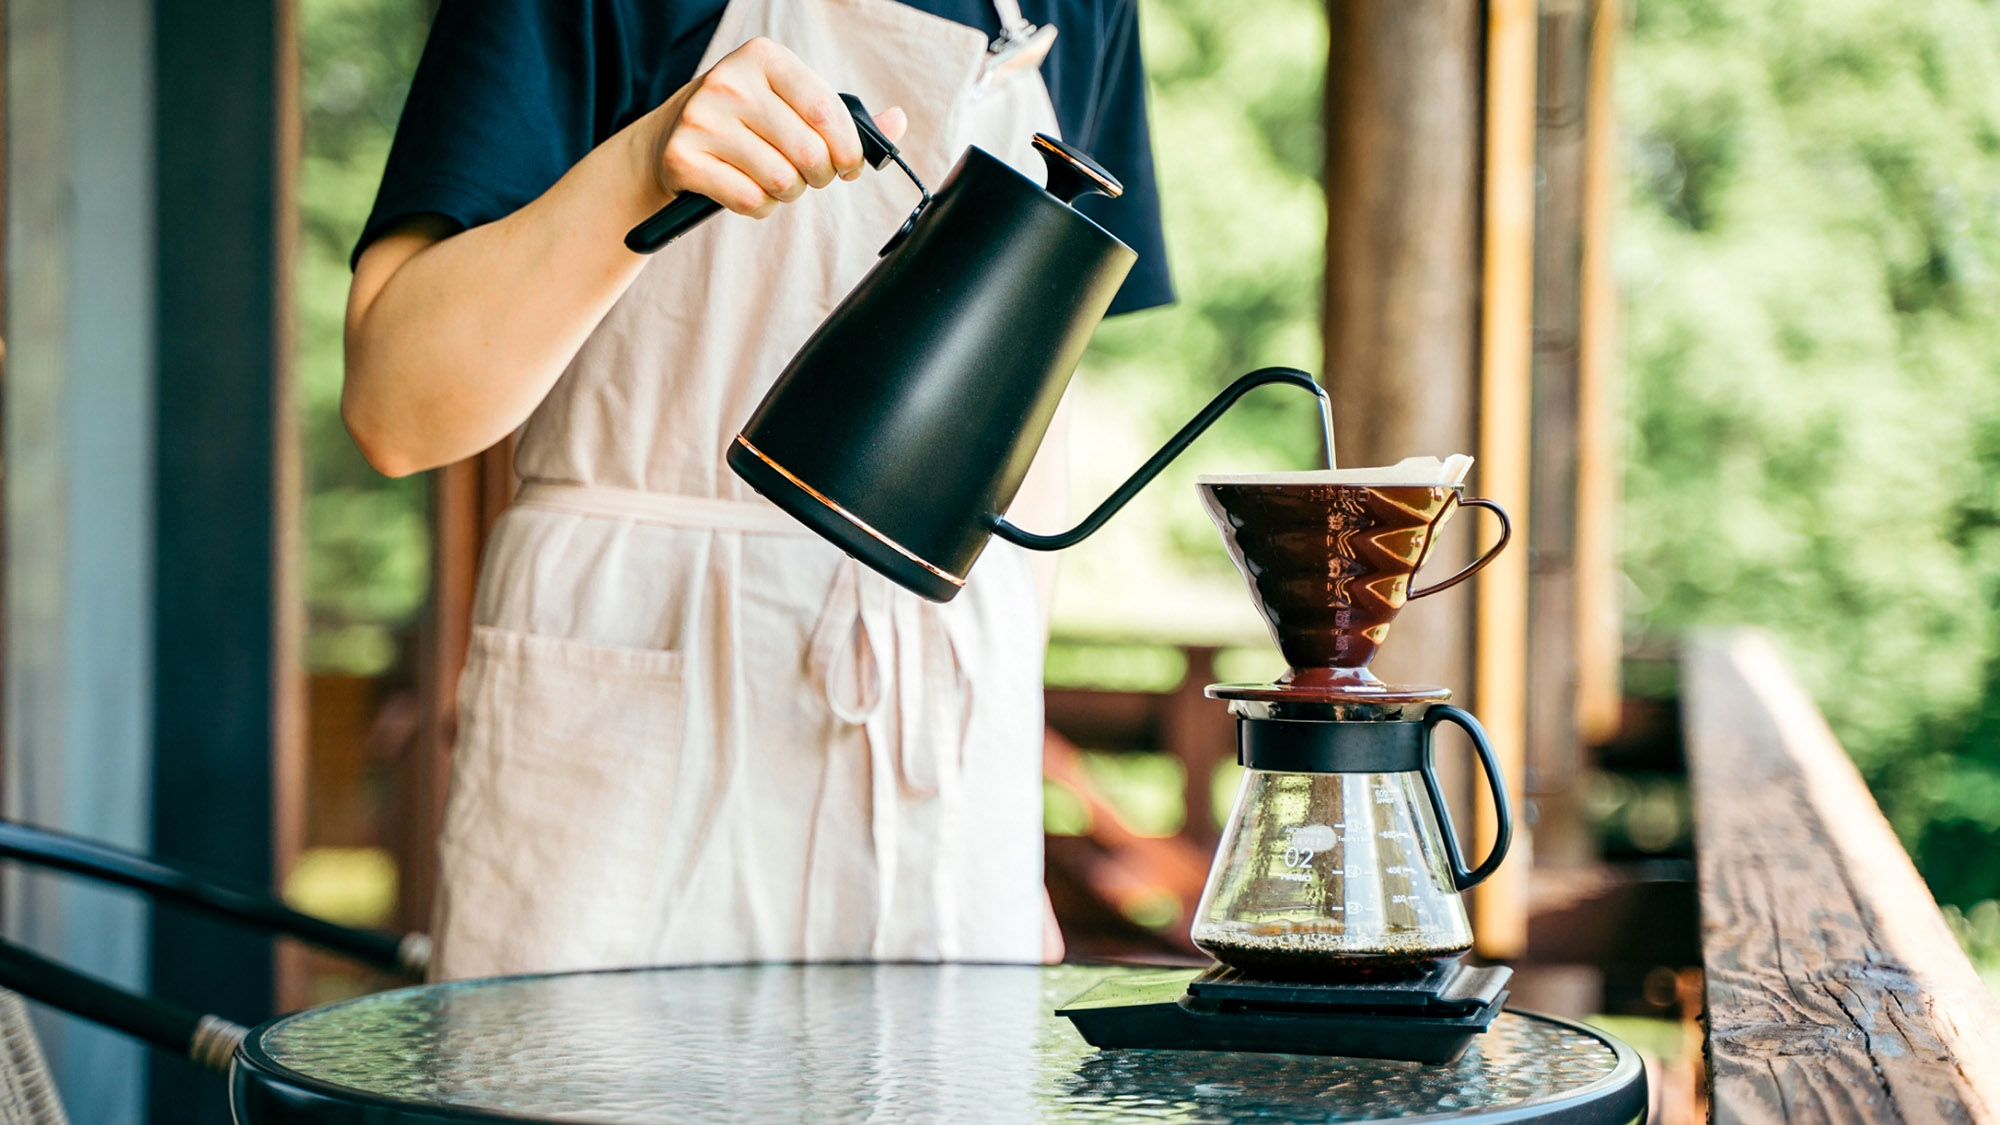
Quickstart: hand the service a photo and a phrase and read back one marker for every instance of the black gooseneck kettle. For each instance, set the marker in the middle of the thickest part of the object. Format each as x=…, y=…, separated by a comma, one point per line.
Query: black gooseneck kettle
x=902, y=429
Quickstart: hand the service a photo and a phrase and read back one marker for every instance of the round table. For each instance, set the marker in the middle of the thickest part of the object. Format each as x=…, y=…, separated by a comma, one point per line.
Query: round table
x=873, y=1043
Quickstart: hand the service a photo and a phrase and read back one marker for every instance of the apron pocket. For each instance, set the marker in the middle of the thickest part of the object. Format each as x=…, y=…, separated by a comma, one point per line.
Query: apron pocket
x=555, y=837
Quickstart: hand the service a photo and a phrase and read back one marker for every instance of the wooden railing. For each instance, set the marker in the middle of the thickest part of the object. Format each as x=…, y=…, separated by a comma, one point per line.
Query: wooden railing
x=1834, y=990
x=1096, y=879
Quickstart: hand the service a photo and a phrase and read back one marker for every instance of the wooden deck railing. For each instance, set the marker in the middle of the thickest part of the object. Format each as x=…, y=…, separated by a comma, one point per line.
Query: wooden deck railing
x=1834, y=990
x=1095, y=879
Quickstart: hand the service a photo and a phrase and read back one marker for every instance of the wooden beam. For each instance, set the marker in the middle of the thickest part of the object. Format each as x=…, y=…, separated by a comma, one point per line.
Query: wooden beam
x=1106, y=720
x=4, y=460
x=1553, y=748
x=466, y=499
x=217, y=70
x=1599, y=618
x=1635, y=916
x=1500, y=907
x=1201, y=733
x=288, y=674
x=1834, y=989
x=1402, y=271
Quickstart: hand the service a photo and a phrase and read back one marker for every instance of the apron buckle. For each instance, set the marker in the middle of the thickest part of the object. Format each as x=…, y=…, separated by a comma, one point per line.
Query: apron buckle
x=1018, y=48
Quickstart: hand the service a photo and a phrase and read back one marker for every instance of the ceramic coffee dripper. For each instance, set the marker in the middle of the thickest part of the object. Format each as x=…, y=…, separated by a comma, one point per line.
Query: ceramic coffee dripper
x=1331, y=557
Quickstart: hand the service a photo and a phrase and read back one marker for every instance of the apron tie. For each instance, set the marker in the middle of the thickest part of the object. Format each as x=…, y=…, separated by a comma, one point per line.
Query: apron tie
x=863, y=630
x=948, y=763
x=938, y=661
x=842, y=650
x=847, y=647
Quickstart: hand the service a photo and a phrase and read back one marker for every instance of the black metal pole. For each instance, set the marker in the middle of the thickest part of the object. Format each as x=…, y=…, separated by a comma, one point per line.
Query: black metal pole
x=88, y=858
x=189, y=1034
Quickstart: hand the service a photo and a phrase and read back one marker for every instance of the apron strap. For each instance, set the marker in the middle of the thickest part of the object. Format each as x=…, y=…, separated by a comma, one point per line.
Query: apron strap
x=1020, y=47
x=1012, y=22
x=755, y=516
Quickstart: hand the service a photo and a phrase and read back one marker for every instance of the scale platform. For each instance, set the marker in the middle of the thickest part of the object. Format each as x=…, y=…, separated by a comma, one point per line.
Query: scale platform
x=1430, y=1019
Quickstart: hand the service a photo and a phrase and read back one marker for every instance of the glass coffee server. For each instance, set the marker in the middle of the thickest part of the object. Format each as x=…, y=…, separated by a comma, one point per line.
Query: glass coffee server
x=1333, y=906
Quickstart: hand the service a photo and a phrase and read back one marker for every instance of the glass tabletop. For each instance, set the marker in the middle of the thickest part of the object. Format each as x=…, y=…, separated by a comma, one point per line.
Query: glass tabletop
x=874, y=1043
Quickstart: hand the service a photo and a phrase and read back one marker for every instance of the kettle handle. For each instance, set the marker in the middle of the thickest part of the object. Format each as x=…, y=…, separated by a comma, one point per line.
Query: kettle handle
x=689, y=209
x=1503, y=834
x=1174, y=447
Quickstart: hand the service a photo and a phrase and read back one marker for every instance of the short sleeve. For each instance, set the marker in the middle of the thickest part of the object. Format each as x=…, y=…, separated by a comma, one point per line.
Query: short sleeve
x=505, y=99
x=1116, y=132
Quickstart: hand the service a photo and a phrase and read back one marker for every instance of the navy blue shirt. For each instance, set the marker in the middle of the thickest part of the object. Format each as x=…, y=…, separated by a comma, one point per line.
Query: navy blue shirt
x=511, y=93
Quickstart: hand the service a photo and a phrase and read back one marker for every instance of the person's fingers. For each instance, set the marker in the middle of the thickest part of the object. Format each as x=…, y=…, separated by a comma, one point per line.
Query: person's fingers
x=893, y=122
x=713, y=153
x=773, y=123
x=734, y=188
x=817, y=105
x=781, y=128
x=743, y=149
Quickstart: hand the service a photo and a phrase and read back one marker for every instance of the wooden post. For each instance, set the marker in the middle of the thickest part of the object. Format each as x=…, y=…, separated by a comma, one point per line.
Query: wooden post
x=1599, y=621
x=4, y=463
x=1402, y=282
x=1201, y=734
x=1505, y=399
x=218, y=276
x=466, y=498
x=288, y=675
x=1554, y=749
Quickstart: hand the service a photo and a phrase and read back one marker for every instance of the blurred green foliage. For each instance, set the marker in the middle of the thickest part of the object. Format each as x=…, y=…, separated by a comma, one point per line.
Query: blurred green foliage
x=367, y=548
x=1237, y=140
x=1809, y=263
x=1978, y=930
x=1145, y=789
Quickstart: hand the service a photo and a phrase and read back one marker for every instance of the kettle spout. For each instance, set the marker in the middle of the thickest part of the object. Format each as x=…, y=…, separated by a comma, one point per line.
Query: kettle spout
x=1174, y=447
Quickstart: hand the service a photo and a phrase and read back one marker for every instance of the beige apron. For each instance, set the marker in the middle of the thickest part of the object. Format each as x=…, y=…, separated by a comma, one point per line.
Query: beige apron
x=690, y=730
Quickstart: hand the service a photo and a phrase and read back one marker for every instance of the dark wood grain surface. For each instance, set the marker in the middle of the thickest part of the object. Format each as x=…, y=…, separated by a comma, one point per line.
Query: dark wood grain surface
x=1835, y=991
x=1554, y=746
x=1402, y=278
x=1403, y=132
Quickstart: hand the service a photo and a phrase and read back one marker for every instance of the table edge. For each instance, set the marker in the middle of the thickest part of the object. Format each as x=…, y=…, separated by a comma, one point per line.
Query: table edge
x=255, y=1072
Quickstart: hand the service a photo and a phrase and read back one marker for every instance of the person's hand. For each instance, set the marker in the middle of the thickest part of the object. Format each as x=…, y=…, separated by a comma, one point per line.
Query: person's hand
x=757, y=130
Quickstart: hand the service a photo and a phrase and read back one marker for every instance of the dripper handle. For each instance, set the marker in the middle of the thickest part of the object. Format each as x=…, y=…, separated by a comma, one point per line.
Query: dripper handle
x=1159, y=461
x=1478, y=564
x=1503, y=834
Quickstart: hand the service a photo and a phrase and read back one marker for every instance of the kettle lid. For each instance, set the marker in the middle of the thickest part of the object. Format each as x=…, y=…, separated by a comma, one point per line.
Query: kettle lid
x=1072, y=174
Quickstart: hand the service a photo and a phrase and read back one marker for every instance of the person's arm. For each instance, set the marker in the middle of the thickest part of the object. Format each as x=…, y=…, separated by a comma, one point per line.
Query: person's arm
x=453, y=339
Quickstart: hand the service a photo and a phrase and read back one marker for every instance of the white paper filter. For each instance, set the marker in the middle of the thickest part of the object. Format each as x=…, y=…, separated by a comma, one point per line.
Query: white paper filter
x=1410, y=471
